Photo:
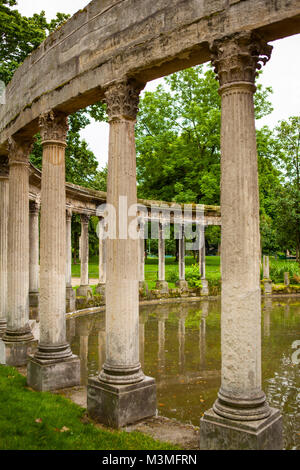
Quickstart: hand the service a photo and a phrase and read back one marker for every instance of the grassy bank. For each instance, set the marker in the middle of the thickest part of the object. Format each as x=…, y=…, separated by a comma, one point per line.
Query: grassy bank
x=44, y=421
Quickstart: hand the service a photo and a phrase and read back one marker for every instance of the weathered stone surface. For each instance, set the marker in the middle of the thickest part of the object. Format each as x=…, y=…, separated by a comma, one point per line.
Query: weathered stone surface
x=119, y=405
x=267, y=286
x=218, y=433
x=109, y=40
x=162, y=287
x=204, y=288
x=53, y=375
x=182, y=285
x=16, y=353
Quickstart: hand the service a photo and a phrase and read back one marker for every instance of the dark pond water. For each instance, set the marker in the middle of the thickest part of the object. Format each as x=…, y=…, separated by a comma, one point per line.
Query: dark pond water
x=180, y=347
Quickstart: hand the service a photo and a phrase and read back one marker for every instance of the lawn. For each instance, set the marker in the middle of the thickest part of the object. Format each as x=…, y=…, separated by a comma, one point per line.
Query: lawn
x=44, y=421
x=277, y=269
x=151, y=269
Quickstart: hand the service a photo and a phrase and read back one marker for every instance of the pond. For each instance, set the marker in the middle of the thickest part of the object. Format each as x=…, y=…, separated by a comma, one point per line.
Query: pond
x=180, y=348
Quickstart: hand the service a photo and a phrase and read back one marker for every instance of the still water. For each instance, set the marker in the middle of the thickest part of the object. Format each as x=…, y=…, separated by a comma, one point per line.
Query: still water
x=180, y=348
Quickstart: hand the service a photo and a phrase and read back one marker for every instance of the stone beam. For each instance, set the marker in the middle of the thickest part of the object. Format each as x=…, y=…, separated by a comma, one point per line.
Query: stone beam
x=113, y=39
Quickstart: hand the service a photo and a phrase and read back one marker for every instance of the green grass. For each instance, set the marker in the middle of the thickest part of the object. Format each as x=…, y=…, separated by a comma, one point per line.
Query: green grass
x=277, y=268
x=44, y=421
x=151, y=269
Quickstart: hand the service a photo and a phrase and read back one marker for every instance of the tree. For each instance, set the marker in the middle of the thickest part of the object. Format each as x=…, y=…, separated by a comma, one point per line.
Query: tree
x=288, y=208
x=20, y=35
x=178, y=137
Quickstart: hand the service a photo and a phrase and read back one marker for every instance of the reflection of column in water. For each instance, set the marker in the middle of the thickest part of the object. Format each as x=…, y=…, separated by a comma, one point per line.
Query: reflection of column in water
x=202, y=334
x=143, y=317
x=267, y=316
x=161, y=318
x=181, y=340
x=83, y=354
x=101, y=348
x=71, y=329
x=286, y=310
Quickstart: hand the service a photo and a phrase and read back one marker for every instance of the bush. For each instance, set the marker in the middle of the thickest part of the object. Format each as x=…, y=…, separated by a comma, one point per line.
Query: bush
x=192, y=275
x=277, y=270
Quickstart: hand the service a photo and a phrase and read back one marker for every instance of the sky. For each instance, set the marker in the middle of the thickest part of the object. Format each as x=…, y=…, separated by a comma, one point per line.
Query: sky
x=282, y=73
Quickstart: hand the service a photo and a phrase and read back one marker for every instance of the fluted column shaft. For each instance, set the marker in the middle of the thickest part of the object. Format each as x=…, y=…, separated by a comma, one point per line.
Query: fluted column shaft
x=142, y=251
x=102, y=253
x=33, y=247
x=84, y=276
x=240, y=395
x=18, y=328
x=181, y=263
x=202, y=267
x=53, y=343
x=122, y=363
x=161, y=253
x=4, y=198
x=69, y=248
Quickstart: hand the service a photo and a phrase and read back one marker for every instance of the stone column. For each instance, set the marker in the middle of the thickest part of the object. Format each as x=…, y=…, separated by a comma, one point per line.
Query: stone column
x=143, y=284
x=84, y=289
x=122, y=394
x=70, y=293
x=53, y=366
x=34, y=279
x=182, y=283
x=202, y=337
x=18, y=338
x=266, y=275
x=102, y=259
x=161, y=284
x=4, y=193
x=202, y=265
x=241, y=417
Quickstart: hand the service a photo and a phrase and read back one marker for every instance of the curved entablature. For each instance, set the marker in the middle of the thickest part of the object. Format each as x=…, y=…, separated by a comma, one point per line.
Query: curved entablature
x=110, y=40
x=87, y=201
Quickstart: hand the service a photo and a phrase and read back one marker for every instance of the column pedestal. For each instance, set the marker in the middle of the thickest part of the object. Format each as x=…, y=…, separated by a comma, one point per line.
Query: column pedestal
x=119, y=405
x=219, y=433
x=53, y=375
x=204, y=288
x=70, y=300
x=268, y=286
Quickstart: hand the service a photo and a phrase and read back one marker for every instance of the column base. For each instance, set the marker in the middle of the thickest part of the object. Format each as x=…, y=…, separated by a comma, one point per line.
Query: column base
x=2, y=327
x=143, y=288
x=183, y=285
x=53, y=375
x=34, y=299
x=70, y=300
x=15, y=353
x=100, y=289
x=84, y=291
x=119, y=405
x=204, y=289
x=268, y=286
x=218, y=433
x=162, y=286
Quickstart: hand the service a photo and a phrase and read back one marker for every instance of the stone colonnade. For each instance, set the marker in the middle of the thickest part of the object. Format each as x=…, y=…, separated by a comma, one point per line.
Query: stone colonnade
x=121, y=393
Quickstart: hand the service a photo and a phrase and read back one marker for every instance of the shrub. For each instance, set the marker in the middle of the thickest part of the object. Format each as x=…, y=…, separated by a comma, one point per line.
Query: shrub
x=277, y=270
x=192, y=275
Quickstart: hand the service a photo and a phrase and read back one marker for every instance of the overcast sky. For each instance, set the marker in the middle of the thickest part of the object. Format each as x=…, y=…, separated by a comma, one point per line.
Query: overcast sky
x=282, y=73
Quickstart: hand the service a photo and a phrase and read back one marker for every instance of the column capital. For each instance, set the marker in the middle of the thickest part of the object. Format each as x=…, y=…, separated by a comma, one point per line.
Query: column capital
x=18, y=152
x=85, y=218
x=4, y=167
x=69, y=214
x=122, y=100
x=54, y=127
x=237, y=58
x=34, y=207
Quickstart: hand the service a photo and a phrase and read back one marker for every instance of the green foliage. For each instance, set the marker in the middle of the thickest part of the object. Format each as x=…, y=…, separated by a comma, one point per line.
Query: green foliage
x=193, y=277
x=277, y=270
x=21, y=35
